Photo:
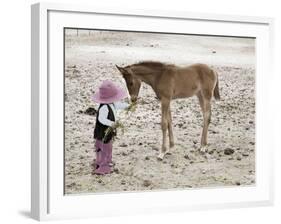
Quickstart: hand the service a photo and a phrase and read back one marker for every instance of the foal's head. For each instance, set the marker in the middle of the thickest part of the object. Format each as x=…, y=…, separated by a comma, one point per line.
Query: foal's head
x=132, y=82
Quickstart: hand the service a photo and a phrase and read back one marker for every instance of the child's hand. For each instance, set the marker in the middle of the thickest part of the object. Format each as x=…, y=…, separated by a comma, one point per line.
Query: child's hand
x=116, y=125
x=113, y=126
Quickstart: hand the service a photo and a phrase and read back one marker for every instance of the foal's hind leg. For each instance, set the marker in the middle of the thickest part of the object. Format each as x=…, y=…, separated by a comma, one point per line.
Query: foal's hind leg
x=205, y=103
x=170, y=128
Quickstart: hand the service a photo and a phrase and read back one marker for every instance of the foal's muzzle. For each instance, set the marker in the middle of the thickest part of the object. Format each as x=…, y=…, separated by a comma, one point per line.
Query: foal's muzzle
x=134, y=99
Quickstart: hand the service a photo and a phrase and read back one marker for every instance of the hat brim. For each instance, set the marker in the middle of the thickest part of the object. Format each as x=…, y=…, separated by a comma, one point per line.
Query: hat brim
x=121, y=94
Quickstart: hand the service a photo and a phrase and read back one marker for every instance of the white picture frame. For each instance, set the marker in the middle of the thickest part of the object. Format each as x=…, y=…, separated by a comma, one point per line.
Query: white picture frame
x=47, y=198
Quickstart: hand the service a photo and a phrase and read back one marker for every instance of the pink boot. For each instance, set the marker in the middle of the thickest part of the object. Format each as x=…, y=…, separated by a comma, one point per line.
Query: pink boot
x=103, y=157
x=109, y=153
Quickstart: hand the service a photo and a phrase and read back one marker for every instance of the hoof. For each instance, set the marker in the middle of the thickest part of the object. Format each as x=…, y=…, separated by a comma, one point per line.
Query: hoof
x=203, y=149
x=161, y=156
x=168, y=152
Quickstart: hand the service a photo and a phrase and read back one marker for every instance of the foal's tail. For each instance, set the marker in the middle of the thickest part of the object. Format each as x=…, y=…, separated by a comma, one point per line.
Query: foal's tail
x=216, y=90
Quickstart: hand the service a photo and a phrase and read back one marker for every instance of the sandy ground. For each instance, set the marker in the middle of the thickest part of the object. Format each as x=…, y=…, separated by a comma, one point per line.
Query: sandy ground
x=90, y=58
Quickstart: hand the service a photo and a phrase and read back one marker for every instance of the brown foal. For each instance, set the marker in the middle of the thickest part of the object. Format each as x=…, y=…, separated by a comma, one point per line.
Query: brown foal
x=171, y=82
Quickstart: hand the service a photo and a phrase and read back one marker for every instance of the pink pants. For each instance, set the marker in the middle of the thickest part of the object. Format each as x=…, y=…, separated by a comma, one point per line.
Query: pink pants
x=103, y=157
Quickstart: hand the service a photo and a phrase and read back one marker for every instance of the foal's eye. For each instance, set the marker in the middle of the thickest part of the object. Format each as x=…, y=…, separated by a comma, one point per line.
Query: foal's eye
x=130, y=84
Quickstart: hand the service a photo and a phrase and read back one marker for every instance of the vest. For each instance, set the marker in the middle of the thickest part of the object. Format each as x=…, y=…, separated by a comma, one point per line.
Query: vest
x=99, y=132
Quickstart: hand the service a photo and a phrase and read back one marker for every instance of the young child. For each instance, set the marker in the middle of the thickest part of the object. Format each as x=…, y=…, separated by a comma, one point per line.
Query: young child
x=108, y=96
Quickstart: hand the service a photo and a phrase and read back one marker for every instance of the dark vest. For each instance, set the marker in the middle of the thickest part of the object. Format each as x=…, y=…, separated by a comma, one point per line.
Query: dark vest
x=99, y=132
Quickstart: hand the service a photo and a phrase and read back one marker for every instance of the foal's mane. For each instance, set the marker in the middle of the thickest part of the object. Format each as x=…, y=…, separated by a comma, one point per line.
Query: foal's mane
x=150, y=67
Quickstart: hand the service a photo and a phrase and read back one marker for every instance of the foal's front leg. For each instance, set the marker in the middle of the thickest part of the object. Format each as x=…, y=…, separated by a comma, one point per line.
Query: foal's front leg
x=164, y=126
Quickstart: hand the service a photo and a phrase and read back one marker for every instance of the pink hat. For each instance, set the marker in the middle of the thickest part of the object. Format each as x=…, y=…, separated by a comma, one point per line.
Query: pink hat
x=109, y=93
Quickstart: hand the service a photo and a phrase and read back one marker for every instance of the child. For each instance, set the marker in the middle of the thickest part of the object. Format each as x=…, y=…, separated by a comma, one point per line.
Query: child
x=108, y=96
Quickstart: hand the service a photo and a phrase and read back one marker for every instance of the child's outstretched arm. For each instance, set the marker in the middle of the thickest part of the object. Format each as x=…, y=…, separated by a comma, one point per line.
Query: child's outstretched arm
x=121, y=105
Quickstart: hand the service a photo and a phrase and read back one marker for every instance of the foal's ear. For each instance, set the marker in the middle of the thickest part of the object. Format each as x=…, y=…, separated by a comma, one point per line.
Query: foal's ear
x=122, y=70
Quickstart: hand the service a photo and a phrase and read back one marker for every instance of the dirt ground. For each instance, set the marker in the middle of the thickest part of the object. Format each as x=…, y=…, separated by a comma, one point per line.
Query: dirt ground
x=90, y=57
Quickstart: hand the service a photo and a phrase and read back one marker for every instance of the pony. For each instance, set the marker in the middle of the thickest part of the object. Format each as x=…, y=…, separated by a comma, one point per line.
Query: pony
x=173, y=82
